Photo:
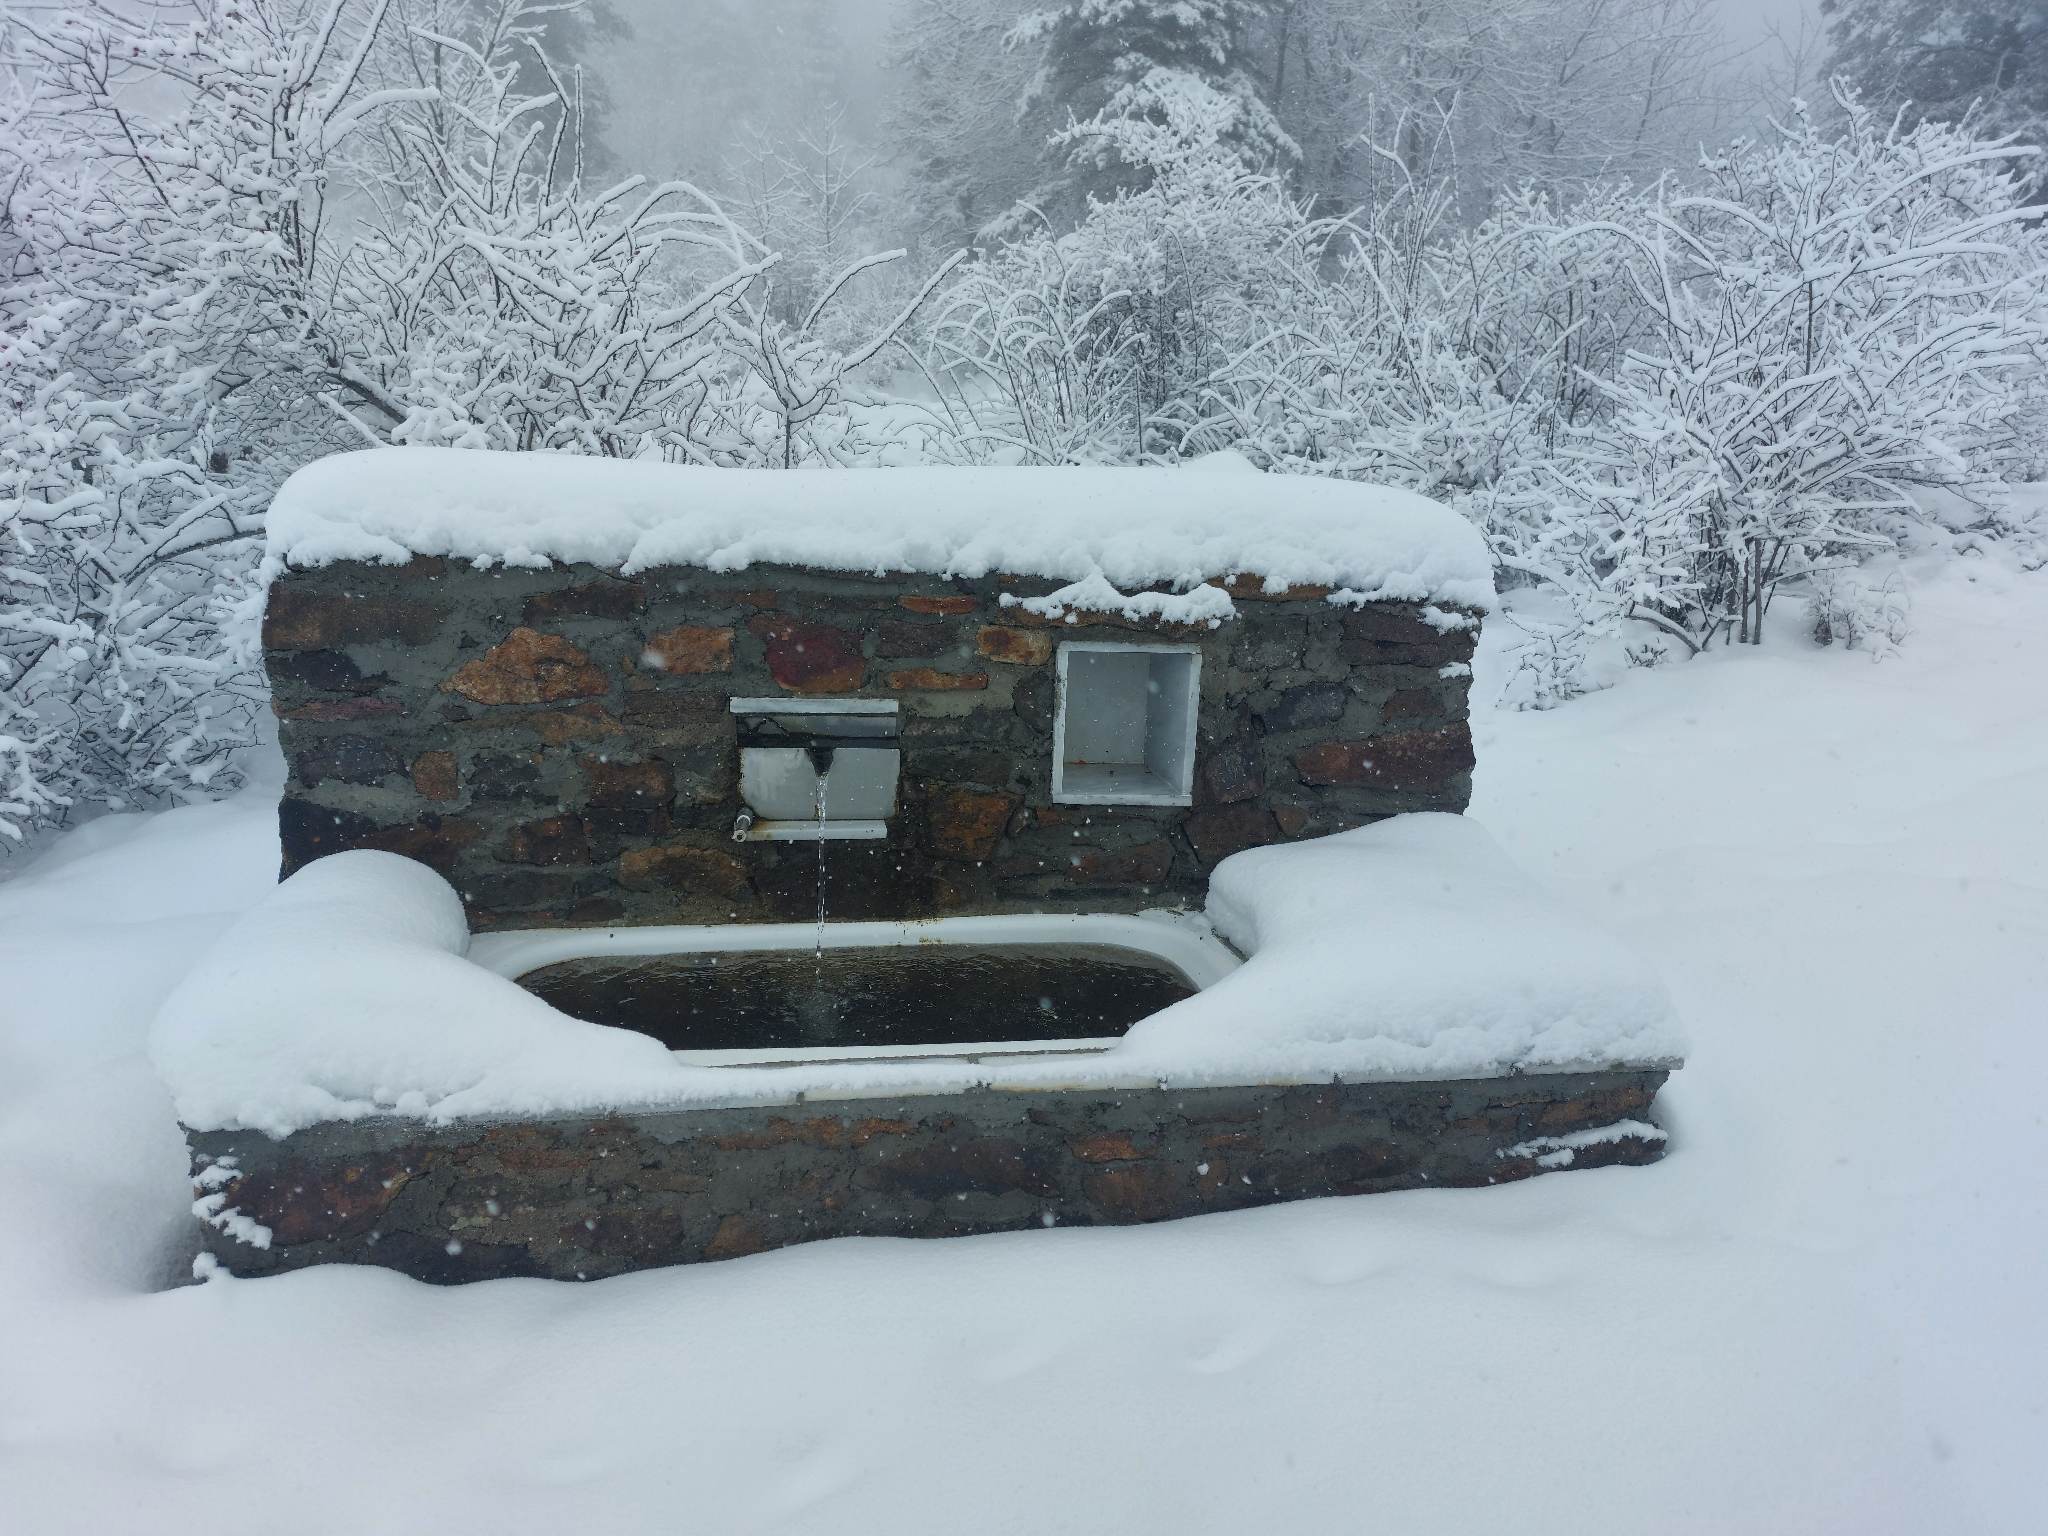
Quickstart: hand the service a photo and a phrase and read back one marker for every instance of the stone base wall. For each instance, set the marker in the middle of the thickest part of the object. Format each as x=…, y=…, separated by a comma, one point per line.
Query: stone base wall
x=558, y=742
x=585, y=1198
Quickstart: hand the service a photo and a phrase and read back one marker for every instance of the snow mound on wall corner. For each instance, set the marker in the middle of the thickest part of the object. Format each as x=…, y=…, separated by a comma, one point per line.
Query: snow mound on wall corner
x=346, y=994
x=1132, y=527
x=1410, y=948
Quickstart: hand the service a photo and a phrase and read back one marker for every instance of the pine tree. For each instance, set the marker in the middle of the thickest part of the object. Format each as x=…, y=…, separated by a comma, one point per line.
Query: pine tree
x=1124, y=57
x=966, y=151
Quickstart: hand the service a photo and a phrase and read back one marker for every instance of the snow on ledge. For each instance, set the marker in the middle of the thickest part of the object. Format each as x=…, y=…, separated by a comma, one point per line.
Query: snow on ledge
x=1206, y=605
x=1409, y=949
x=1124, y=528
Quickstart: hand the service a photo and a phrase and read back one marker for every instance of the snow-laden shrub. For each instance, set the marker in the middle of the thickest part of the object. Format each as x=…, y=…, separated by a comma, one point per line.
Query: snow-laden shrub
x=1858, y=609
x=1068, y=349
x=1833, y=319
x=152, y=340
x=1205, y=309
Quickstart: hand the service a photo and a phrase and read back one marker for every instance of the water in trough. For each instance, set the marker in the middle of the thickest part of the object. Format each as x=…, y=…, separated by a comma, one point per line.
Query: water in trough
x=916, y=994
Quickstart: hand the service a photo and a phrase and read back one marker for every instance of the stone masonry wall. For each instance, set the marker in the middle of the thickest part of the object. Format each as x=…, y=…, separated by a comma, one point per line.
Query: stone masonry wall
x=558, y=742
x=589, y=1197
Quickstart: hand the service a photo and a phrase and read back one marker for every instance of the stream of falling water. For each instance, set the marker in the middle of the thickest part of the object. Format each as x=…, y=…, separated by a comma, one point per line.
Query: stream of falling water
x=818, y=942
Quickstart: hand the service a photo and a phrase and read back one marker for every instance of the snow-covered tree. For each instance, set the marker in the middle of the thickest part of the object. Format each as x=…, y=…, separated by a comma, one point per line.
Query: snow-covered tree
x=1075, y=344
x=1495, y=96
x=1836, y=319
x=1116, y=60
x=157, y=334
x=236, y=243
x=807, y=191
x=968, y=145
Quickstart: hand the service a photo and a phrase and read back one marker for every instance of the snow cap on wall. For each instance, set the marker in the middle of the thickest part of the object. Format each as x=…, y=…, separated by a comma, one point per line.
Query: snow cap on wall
x=1132, y=527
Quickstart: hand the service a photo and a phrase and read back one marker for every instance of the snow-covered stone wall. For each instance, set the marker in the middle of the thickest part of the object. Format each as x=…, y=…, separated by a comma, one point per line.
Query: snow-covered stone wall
x=586, y=1197
x=557, y=739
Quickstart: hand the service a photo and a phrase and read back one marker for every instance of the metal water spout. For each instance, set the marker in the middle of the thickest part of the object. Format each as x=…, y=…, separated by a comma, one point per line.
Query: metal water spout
x=790, y=748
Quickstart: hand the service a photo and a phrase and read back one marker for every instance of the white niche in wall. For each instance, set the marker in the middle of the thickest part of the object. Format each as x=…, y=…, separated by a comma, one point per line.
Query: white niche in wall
x=1124, y=731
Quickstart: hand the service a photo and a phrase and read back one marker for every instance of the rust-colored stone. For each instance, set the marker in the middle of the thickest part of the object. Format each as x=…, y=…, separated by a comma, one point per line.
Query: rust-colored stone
x=1230, y=1140
x=1245, y=587
x=551, y=840
x=1014, y=647
x=626, y=785
x=434, y=840
x=1108, y=1147
x=1631, y=1102
x=434, y=776
x=778, y=1132
x=918, y=603
x=966, y=823
x=1292, y=819
x=326, y=711
x=307, y=1202
x=929, y=680
x=532, y=1149
x=1398, y=760
x=1138, y=1191
x=756, y=597
x=528, y=667
x=736, y=1237
x=688, y=648
x=680, y=864
x=866, y=1129
x=810, y=658
x=295, y=619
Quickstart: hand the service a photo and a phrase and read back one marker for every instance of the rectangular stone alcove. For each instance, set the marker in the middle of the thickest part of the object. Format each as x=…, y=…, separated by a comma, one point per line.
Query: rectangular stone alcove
x=1124, y=727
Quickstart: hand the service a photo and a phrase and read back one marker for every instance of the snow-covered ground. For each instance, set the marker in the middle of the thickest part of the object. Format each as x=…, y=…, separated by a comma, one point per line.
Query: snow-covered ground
x=1821, y=1313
